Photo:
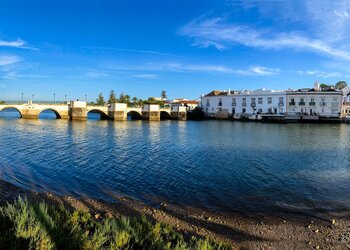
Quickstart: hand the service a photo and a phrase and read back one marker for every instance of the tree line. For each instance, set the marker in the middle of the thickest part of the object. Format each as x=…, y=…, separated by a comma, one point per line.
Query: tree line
x=339, y=85
x=125, y=98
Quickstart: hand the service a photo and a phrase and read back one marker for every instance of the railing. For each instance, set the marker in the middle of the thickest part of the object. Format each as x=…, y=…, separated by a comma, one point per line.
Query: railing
x=335, y=104
x=291, y=103
x=301, y=103
x=312, y=103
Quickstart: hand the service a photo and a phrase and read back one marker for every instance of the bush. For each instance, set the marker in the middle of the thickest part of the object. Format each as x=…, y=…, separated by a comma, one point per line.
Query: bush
x=32, y=225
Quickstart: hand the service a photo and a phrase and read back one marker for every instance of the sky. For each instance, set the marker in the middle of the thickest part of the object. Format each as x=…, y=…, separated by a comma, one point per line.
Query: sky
x=186, y=47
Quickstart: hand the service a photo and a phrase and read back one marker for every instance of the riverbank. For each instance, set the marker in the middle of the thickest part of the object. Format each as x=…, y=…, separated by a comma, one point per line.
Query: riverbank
x=256, y=231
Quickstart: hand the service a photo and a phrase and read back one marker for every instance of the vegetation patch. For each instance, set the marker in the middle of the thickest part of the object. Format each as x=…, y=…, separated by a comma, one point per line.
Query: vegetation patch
x=37, y=225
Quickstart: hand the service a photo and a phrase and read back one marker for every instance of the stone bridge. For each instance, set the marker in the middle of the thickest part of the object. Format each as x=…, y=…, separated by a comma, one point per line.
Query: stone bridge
x=77, y=110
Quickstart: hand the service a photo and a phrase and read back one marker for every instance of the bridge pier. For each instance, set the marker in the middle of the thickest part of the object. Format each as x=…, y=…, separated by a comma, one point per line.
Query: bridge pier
x=30, y=113
x=118, y=112
x=151, y=112
x=179, y=113
x=77, y=111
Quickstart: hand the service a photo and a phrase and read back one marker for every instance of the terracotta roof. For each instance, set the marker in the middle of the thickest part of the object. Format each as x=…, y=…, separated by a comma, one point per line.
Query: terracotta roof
x=219, y=92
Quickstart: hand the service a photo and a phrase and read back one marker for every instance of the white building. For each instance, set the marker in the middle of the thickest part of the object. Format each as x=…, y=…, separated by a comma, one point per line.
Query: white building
x=224, y=104
x=322, y=102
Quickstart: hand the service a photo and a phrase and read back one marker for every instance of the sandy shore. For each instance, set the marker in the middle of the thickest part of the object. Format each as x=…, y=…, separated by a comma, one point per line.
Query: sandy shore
x=282, y=231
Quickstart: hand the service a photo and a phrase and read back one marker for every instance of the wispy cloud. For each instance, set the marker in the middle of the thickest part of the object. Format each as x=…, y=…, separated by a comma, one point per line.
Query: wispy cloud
x=19, y=43
x=195, y=68
x=134, y=51
x=8, y=60
x=321, y=74
x=96, y=74
x=145, y=76
x=216, y=32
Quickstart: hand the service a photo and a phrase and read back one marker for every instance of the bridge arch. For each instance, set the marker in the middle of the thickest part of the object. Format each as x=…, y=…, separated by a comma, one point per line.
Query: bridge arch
x=58, y=116
x=103, y=115
x=164, y=115
x=12, y=107
x=134, y=115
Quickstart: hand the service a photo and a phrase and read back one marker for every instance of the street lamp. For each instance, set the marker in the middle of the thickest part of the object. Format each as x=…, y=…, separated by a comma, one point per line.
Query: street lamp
x=54, y=97
x=65, y=98
x=22, y=97
x=32, y=97
x=85, y=98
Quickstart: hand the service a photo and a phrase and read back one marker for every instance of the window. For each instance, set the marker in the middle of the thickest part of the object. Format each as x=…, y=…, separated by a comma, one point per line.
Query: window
x=233, y=102
x=220, y=102
x=244, y=102
x=260, y=100
x=252, y=102
x=269, y=100
x=280, y=99
x=243, y=110
x=208, y=103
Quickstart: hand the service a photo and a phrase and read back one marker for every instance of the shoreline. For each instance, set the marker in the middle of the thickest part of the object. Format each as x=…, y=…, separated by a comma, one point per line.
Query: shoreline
x=249, y=231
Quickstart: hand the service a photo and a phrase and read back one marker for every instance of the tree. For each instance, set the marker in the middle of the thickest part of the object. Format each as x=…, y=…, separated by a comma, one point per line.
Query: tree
x=163, y=95
x=112, y=97
x=341, y=84
x=124, y=98
x=325, y=85
x=100, y=100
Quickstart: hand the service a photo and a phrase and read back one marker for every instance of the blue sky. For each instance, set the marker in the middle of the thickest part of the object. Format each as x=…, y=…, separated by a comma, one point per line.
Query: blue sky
x=185, y=47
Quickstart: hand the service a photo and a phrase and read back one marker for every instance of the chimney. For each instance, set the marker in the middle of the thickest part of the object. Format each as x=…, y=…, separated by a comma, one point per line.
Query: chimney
x=317, y=86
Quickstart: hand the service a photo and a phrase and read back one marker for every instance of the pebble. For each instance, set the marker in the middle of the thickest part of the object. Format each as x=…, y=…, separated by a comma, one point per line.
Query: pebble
x=317, y=247
x=208, y=218
x=334, y=222
x=316, y=231
x=163, y=204
x=97, y=216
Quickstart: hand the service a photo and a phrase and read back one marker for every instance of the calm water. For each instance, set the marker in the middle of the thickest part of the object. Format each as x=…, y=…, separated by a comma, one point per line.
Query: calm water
x=226, y=166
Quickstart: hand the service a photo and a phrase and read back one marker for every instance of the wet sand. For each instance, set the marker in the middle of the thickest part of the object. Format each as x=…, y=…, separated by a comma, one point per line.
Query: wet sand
x=250, y=231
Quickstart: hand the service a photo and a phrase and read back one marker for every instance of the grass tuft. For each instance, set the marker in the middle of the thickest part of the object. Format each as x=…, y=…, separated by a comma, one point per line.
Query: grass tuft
x=32, y=225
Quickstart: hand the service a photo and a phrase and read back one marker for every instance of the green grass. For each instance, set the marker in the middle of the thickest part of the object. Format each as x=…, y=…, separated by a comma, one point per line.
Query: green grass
x=32, y=225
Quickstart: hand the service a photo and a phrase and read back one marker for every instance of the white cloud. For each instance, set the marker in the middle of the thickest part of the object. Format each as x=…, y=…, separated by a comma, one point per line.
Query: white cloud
x=215, y=32
x=146, y=76
x=265, y=71
x=318, y=73
x=16, y=44
x=95, y=74
x=8, y=60
x=194, y=68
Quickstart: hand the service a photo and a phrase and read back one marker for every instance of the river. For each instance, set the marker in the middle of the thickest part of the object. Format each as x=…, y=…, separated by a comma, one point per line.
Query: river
x=219, y=165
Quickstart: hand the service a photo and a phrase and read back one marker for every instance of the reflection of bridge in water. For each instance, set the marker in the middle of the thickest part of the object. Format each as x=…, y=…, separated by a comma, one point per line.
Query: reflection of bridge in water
x=77, y=110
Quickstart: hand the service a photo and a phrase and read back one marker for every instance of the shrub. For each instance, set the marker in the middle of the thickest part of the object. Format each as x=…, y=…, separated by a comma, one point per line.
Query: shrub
x=32, y=225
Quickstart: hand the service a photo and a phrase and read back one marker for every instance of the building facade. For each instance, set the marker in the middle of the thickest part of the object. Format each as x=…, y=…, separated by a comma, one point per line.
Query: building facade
x=326, y=102
x=236, y=103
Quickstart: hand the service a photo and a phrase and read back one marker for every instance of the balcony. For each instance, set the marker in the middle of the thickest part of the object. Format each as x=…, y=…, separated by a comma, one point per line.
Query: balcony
x=335, y=104
x=291, y=103
x=244, y=104
x=312, y=103
x=301, y=103
x=323, y=104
